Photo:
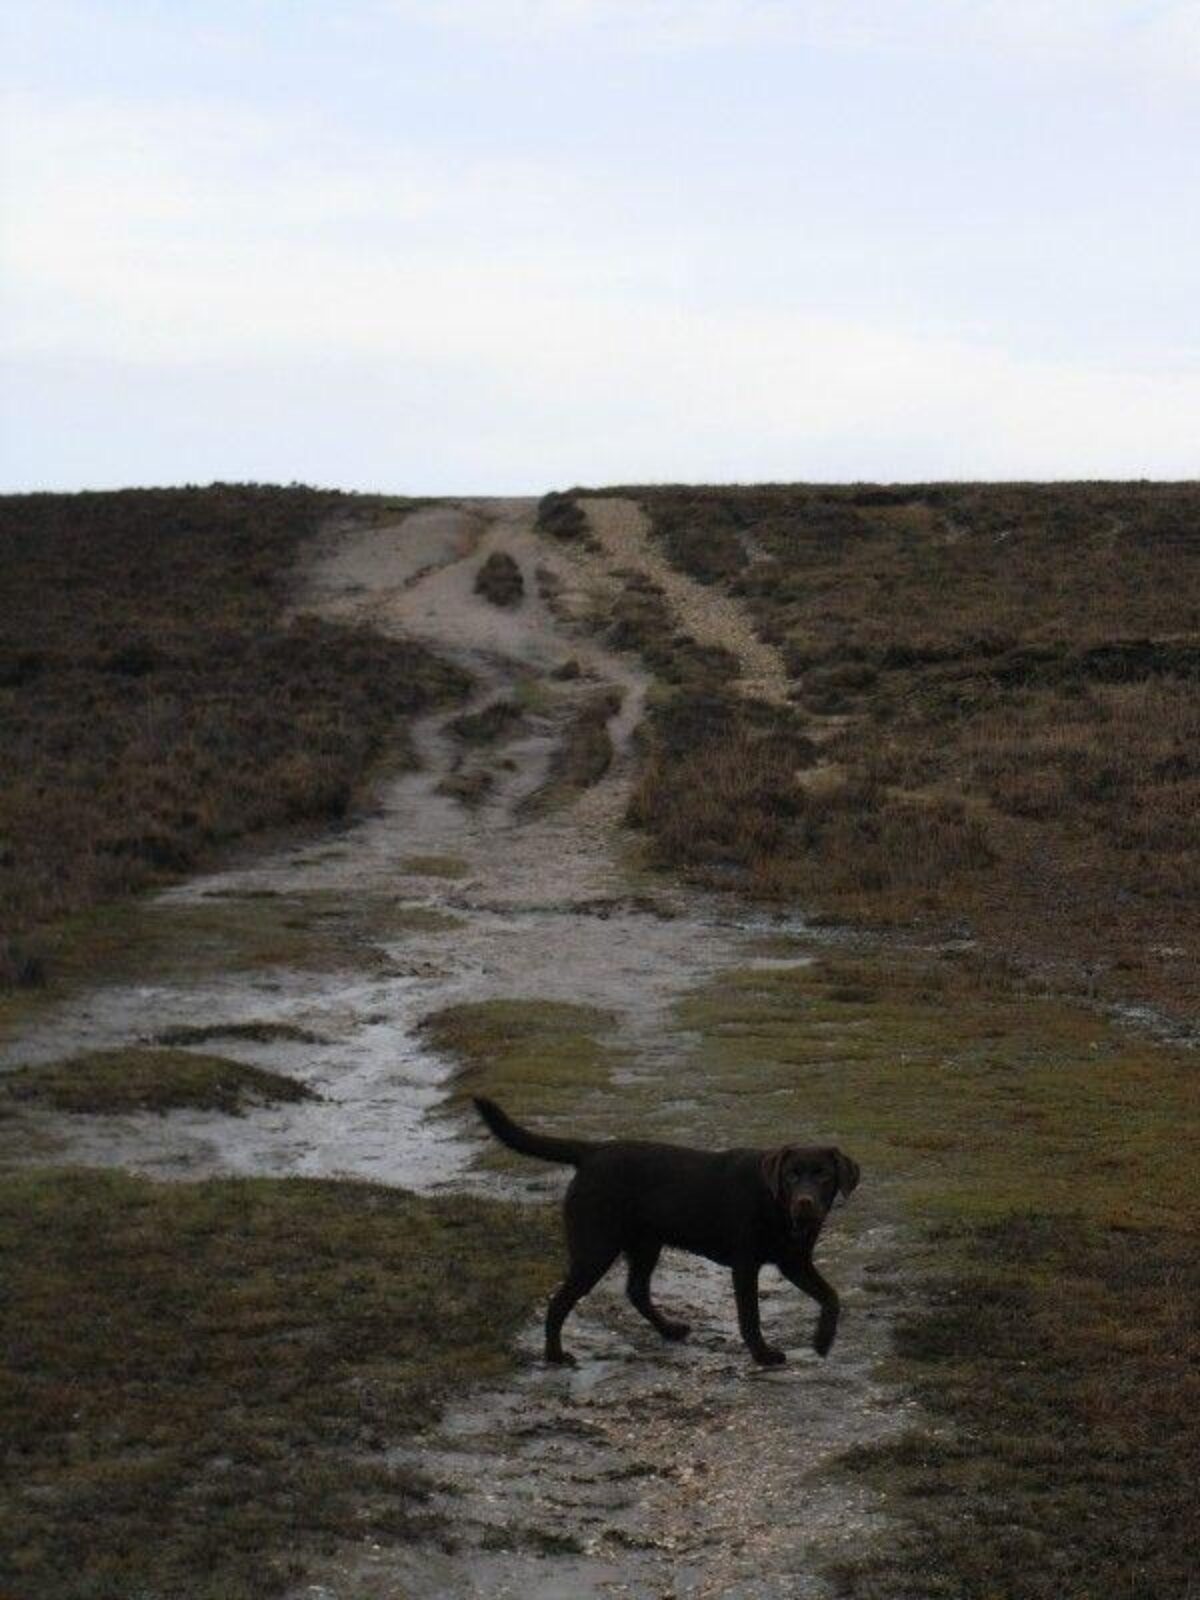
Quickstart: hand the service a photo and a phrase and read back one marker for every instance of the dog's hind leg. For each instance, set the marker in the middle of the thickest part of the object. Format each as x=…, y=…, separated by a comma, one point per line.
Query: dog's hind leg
x=643, y=1259
x=593, y=1244
x=582, y=1277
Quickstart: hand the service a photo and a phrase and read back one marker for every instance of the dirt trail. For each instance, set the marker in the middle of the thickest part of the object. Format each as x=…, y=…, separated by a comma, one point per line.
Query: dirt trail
x=706, y=612
x=648, y=1470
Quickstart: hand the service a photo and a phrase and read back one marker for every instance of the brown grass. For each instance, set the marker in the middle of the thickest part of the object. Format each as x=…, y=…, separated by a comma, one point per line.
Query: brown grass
x=1011, y=674
x=583, y=754
x=640, y=621
x=156, y=704
x=729, y=802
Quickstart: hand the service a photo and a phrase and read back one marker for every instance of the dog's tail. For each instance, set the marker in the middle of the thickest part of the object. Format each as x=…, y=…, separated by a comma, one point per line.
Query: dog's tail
x=569, y=1151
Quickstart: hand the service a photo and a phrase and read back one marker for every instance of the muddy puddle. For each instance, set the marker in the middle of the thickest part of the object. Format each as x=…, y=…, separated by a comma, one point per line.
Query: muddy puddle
x=649, y=1470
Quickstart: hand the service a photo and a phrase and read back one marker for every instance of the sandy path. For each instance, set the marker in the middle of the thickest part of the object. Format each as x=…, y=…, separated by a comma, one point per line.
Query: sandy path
x=704, y=611
x=649, y=1470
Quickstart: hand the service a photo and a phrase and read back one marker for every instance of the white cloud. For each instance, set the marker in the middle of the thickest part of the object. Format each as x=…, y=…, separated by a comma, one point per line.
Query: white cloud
x=187, y=241
x=1125, y=36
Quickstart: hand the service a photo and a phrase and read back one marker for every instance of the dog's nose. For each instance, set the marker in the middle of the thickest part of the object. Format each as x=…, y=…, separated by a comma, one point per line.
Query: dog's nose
x=805, y=1208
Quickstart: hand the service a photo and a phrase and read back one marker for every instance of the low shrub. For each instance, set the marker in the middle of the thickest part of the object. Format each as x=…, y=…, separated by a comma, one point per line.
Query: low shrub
x=499, y=580
x=561, y=517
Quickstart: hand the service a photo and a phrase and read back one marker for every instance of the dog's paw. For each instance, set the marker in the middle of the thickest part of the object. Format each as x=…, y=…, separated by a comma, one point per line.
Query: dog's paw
x=769, y=1356
x=675, y=1330
x=823, y=1340
x=561, y=1358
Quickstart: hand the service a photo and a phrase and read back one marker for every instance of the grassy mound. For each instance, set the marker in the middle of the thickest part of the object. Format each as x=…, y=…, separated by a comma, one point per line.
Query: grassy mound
x=134, y=1079
x=584, y=752
x=560, y=516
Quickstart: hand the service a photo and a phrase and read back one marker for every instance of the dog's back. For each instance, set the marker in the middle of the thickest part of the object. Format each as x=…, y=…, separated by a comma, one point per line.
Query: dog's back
x=697, y=1200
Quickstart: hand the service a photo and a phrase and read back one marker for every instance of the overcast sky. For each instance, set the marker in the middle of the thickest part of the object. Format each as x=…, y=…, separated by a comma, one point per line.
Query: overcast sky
x=504, y=245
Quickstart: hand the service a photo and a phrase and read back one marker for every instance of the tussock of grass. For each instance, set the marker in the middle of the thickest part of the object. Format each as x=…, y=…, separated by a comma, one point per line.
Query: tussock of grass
x=135, y=1079
x=560, y=517
x=201, y=1379
x=498, y=720
x=586, y=752
x=499, y=580
x=470, y=788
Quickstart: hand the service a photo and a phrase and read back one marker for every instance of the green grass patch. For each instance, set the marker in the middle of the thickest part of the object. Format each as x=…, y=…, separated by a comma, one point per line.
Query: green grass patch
x=1043, y=1164
x=146, y=940
x=541, y=1059
x=136, y=1079
x=976, y=1094
x=200, y=1380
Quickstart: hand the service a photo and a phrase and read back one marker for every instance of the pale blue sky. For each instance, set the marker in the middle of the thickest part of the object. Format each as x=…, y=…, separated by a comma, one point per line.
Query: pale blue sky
x=472, y=246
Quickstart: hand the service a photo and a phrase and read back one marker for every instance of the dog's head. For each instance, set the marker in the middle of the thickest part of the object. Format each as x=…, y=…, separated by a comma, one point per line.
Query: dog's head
x=804, y=1181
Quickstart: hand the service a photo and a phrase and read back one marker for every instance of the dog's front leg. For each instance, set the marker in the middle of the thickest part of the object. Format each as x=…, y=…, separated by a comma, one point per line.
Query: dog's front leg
x=806, y=1278
x=745, y=1287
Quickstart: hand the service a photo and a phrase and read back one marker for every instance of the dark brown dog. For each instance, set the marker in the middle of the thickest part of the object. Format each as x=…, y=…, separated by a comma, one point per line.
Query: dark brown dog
x=743, y=1208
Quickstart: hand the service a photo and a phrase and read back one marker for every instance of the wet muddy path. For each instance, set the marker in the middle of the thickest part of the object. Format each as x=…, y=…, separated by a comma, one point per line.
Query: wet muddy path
x=649, y=1470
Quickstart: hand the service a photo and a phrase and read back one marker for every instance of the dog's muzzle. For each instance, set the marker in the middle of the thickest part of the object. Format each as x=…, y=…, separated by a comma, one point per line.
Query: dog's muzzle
x=804, y=1210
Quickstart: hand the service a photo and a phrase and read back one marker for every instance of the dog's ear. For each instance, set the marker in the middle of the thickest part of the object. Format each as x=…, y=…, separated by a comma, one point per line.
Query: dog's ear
x=772, y=1171
x=847, y=1173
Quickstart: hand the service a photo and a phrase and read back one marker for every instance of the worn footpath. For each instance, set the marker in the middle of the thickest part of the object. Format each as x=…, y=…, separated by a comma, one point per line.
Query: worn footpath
x=649, y=1470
